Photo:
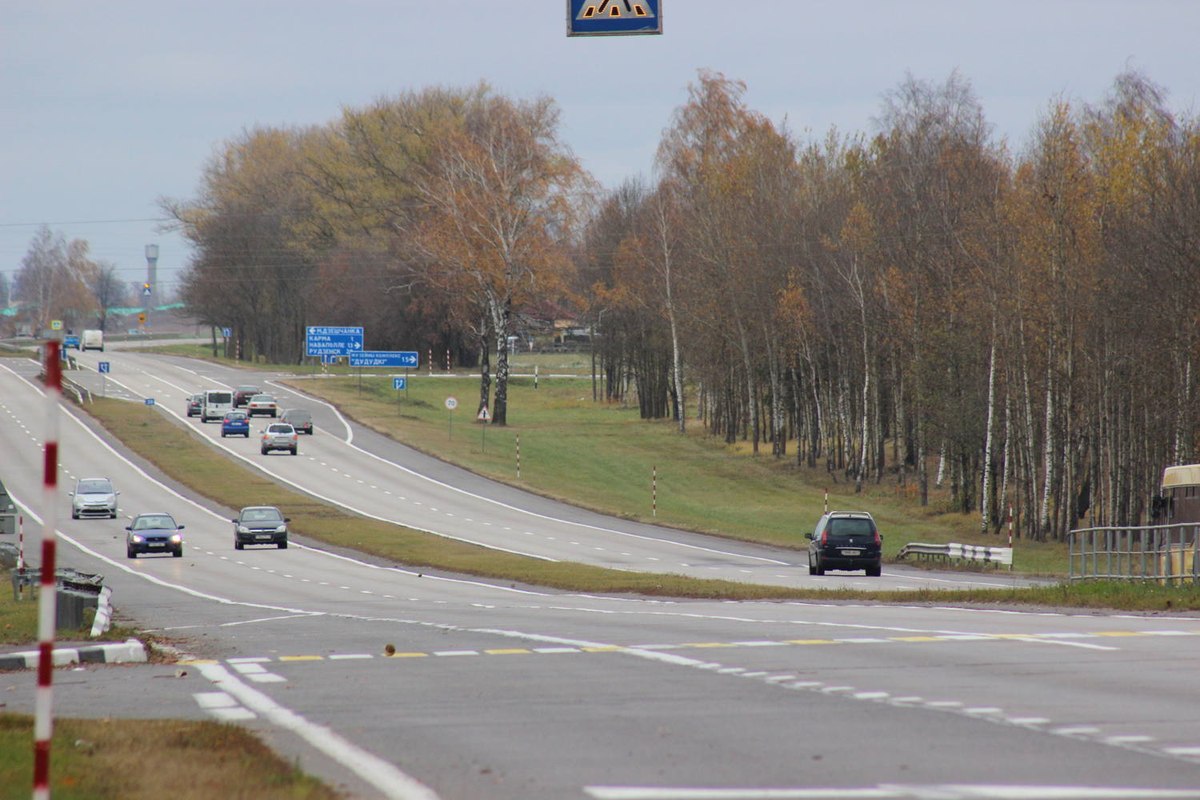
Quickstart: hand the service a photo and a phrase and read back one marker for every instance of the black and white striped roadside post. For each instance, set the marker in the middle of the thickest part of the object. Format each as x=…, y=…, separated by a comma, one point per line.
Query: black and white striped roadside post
x=43, y=723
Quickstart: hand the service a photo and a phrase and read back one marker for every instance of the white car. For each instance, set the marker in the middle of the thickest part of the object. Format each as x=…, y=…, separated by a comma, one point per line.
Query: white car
x=279, y=436
x=94, y=497
x=262, y=404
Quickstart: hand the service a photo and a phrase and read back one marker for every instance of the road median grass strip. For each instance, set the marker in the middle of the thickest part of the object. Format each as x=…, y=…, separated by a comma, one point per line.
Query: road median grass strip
x=132, y=759
x=181, y=454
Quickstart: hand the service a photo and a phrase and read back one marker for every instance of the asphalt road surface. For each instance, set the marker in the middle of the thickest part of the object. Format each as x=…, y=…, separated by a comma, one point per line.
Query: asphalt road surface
x=389, y=683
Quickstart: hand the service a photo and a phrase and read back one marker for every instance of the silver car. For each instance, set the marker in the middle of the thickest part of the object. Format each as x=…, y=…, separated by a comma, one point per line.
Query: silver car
x=94, y=497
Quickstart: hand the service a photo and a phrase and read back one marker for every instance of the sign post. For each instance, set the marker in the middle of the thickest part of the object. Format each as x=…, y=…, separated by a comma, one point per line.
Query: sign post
x=451, y=404
x=483, y=417
x=105, y=368
x=397, y=385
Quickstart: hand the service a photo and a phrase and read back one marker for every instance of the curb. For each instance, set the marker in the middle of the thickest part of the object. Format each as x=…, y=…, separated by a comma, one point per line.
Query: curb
x=131, y=651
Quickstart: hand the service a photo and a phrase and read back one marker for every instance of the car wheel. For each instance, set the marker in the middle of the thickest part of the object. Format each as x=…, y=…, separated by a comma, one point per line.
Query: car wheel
x=247, y=434
x=811, y=569
x=819, y=569
x=293, y=451
x=264, y=450
x=272, y=415
x=283, y=545
x=222, y=434
x=238, y=545
x=130, y=552
x=178, y=553
x=113, y=515
x=74, y=515
x=874, y=572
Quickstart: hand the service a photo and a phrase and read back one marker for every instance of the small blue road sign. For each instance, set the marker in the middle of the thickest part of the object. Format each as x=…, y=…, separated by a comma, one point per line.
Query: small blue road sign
x=613, y=17
x=399, y=383
x=105, y=367
x=384, y=358
x=332, y=341
x=149, y=401
x=227, y=332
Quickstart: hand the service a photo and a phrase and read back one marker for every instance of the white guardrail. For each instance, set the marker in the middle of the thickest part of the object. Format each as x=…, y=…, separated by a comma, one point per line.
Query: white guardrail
x=959, y=552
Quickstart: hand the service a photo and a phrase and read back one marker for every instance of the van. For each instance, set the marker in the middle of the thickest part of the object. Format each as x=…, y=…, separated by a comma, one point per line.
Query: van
x=93, y=340
x=215, y=403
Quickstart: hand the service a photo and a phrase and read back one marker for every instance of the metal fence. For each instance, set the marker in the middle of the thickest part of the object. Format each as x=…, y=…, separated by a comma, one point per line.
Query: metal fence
x=1164, y=553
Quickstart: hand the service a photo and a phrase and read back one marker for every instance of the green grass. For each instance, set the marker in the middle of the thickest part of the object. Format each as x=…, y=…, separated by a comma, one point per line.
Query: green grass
x=116, y=759
x=606, y=458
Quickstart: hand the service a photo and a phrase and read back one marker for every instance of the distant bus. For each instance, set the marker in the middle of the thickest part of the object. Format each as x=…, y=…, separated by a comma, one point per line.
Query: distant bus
x=1180, y=495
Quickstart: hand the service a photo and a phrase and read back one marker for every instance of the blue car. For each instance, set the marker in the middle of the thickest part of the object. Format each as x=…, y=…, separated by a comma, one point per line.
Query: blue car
x=235, y=423
x=154, y=533
x=70, y=341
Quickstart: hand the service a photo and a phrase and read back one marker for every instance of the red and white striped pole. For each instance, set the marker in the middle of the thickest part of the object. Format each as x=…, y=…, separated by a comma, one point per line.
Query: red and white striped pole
x=1010, y=532
x=518, y=456
x=21, y=545
x=431, y=361
x=654, y=491
x=43, y=723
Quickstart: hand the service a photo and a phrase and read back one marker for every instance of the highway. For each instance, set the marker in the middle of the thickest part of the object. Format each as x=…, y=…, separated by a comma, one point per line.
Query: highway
x=389, y=683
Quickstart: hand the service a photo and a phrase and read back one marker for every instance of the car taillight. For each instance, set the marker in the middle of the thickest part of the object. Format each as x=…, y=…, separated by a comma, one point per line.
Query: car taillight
x=875, y=532
x=825, y=536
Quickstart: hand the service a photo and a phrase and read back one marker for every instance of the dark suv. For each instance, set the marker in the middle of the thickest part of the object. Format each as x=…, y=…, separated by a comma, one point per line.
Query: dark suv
x=845, y=540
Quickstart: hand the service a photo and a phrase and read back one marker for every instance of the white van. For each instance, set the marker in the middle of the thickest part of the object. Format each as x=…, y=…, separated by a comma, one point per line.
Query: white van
x=215, y=403
x=92, y=340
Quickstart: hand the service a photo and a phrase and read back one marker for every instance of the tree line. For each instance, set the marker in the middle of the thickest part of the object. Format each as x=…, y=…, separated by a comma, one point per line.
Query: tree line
x=923, y=305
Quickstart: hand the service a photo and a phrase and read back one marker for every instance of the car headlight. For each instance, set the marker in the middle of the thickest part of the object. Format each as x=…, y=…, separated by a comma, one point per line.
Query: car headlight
x=136, y=539
x=177, y=538
x=281, y=529
x=243, y=529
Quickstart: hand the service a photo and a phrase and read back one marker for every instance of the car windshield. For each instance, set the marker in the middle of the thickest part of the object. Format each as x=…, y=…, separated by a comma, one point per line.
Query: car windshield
x=851, y=527
x=261, y=515
x=279, y=429
x=94, y=487
x=153, y=522
x=235, y=416
x=262, y=398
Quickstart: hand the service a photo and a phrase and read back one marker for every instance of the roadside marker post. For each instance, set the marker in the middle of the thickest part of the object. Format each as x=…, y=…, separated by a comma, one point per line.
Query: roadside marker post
x=43, y=724
x=518, y=456
x=654, y=491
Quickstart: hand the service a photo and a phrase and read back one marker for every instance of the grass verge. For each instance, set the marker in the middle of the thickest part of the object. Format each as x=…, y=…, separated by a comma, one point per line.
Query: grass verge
x=127, y=760
x=181, y=454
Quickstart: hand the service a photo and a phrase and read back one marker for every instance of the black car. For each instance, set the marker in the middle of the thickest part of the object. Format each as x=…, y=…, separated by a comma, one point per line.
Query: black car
x=260, y=525
x=845, y=540
x=299, y=419
x=194, y=402
x=153, y=533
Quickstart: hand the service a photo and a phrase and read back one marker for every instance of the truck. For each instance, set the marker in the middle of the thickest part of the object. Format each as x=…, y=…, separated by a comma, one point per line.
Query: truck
x=93, y=340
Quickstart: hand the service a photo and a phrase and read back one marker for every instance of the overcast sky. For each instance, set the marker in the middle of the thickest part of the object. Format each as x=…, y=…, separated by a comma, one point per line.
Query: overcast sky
x=107, y=106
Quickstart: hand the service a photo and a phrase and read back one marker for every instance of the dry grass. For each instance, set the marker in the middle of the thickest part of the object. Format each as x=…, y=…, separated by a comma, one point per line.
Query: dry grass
x=151, y=759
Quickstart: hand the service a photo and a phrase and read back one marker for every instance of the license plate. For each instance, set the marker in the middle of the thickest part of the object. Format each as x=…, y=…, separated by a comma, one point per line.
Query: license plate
x=156, y=544
x=852, y=552
x=263, y=536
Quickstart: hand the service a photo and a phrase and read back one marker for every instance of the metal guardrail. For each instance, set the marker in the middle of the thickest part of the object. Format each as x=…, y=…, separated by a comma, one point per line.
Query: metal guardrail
x=76, y=591
x=1164, y=553
x=958, y=552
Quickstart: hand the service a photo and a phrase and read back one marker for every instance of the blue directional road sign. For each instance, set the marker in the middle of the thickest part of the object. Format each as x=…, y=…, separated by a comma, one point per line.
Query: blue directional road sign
x=332, y=341
x=227, y=332
x=105, y=367
x=149, y=401
x=613, y=17
x=399, y=383
x=383, y=358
